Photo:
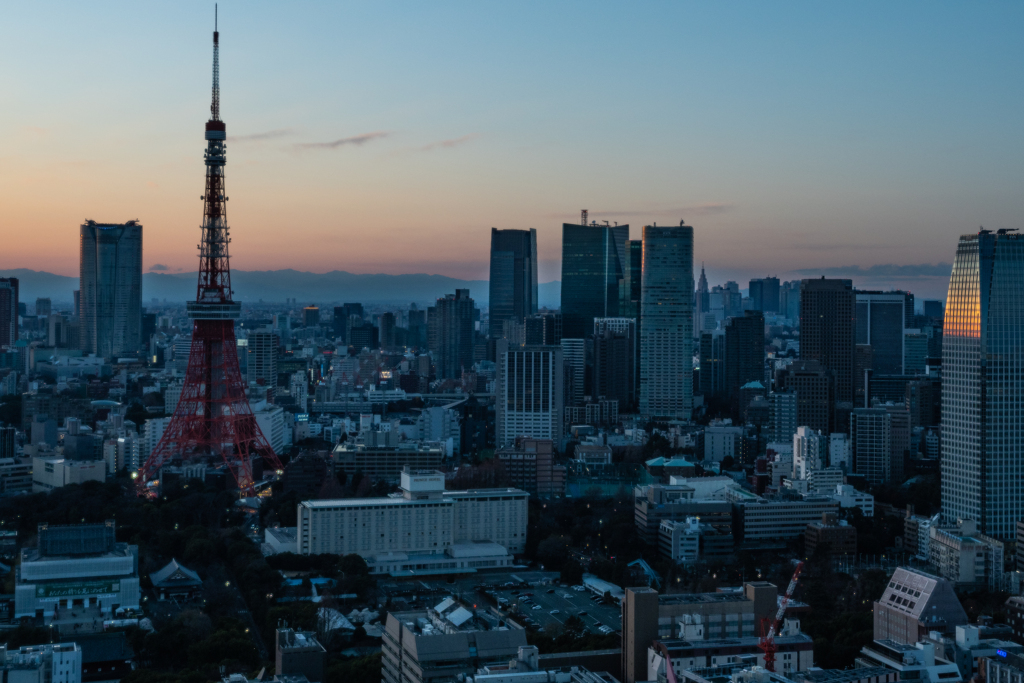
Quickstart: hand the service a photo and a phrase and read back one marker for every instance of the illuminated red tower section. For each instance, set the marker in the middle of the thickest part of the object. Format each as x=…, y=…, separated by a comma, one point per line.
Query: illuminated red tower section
x=213, y=420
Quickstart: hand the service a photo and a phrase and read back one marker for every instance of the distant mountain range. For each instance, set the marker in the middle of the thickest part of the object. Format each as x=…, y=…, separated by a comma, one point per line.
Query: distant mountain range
x=271, y=286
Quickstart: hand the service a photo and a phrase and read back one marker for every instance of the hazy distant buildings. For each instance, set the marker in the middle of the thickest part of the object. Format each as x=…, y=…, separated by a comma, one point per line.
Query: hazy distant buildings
x=529, y=398
x=764, y=294
x=8, y=311
x=593, y=264
x=110, y=273
x=513, y=278
x=827, y=330
x=983, y=384
x=666, y=321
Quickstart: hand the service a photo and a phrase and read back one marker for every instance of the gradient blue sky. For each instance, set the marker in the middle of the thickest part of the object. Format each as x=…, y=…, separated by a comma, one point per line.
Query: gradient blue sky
x=797, y=137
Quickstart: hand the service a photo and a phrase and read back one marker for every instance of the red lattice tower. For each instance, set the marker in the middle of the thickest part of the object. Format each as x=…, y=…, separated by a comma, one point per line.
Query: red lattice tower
x=213, y=420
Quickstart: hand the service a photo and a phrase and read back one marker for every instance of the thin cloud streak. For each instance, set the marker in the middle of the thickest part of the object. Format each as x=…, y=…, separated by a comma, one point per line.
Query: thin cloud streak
x=887, y=271
x=448, y=144
x=703, y=209
x=355, y=140
x=266, y=135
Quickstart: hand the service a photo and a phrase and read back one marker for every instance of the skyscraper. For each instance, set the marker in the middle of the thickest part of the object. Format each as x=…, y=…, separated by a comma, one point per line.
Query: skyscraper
x=744, y=355
x=8, y=311
x=513, y=279
x=701, y=304
x=614, y=369
x=712, y=364
x=666, y=322
x=593, y=264
x=881, y=320
x=827, y=330
x=528, y=390
x=450, y=322
x=983, y=384
x=110, y=273
x=261, y=366
x=629, y=291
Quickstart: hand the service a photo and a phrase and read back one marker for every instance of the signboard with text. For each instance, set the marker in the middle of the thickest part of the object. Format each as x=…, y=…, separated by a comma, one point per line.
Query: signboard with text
x=76, y=590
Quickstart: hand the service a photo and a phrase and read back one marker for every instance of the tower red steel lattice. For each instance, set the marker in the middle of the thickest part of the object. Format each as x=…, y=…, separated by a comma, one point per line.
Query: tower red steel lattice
x=213, y=419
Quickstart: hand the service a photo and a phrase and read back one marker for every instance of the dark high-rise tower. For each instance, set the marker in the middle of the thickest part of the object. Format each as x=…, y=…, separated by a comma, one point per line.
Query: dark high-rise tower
x=8, y=311
x=213, y=419
x=593, y=264
x=744, y=354
x=827, y=320
x=110, y=277
x=450, y=323
x=513, y=279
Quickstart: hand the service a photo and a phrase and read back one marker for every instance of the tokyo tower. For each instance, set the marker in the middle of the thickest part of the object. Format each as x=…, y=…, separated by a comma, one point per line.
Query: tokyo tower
x=213, y=420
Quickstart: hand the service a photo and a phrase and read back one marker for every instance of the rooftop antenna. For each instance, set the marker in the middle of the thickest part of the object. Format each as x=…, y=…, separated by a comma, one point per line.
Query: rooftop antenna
x=215, y=105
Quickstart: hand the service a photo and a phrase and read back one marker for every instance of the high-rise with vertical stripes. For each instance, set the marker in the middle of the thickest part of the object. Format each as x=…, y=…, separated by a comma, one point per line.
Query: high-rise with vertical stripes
x=666, y=322
x=983, y=384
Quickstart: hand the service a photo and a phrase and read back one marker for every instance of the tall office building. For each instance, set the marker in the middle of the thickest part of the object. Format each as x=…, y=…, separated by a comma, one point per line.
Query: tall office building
x=983, y=384
x=629, y=291
x=529, y=397
x=451, y=329
x=666, y=322
x=870, y=436
x=764, y=294
x=701, y=305
x=8, y=311
x=744, y=353
x=386, y=329
x=827, y=330
x=311, y=316
x=261, y=352
x=593, y=267
x=43, y=307
x=513, y=279
x=110, y=273
x=782, y=415
x=574, y=357
x=810, y=452
x=814, y=387
x=881, y=322
x=712, y=364
x=614, y=369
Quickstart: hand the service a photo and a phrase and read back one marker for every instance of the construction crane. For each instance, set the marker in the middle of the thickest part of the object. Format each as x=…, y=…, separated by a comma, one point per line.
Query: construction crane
x=670, y=673
x=767, y=642
x=583, y=217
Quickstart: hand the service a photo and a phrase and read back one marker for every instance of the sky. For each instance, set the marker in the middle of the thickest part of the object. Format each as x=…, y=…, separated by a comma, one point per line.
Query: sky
x=798, y=138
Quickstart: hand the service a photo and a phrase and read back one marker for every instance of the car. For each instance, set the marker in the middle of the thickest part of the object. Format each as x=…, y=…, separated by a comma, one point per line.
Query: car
x=551, y=591
x=554, y=611
x=583, y=613
x=515, y=592
x=605, y=630
x=536, y=607
x=568, y=596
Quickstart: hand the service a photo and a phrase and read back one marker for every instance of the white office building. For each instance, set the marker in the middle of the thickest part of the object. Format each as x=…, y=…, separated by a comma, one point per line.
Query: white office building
x=810, y=452
x=422, y=529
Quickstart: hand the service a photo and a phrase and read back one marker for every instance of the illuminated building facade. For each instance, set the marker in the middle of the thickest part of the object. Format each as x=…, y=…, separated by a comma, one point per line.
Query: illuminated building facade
x=983, y=384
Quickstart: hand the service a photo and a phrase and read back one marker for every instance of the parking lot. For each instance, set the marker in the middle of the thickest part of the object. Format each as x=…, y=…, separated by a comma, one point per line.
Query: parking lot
x=557, y=603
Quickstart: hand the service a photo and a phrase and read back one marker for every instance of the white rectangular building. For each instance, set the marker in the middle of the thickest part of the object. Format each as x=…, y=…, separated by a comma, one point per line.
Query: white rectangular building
x=423, y=519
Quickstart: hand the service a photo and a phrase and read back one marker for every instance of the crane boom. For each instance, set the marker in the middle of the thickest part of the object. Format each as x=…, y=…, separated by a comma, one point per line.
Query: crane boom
x=767, y=643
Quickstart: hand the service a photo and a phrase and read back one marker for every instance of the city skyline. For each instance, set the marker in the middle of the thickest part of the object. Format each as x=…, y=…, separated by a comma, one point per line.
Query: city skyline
x=815, y=165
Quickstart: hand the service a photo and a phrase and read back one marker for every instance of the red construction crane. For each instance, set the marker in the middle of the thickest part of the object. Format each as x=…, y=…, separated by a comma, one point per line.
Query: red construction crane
x=767, y=643
x=670, y=673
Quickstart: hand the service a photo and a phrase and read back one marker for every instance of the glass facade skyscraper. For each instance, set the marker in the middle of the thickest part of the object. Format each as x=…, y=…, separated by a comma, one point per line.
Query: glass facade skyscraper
x=881, y=322
x=593, y=264
x=110, y=273
x=983, y=384
x=513, y=278
x=666, y=322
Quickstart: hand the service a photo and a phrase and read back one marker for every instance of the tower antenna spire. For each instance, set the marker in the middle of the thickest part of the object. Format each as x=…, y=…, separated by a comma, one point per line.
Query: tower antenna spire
x=215, y=105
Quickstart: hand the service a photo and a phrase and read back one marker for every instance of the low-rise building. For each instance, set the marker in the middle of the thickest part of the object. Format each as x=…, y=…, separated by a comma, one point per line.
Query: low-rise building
x=49, y=663
x=76, y=572
x=771, y=519
x=914, y=604
x=49, y=473
x=444, y=642
x=794, y=652
x=386, y=461
x=693, y=541
x=298, y=653
x=657, y=503
x=424, y=528
x=530, y=465
x=969, y=645
x=593, y=454
x=967, y=558
x=832, y=535
x=916, y=661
